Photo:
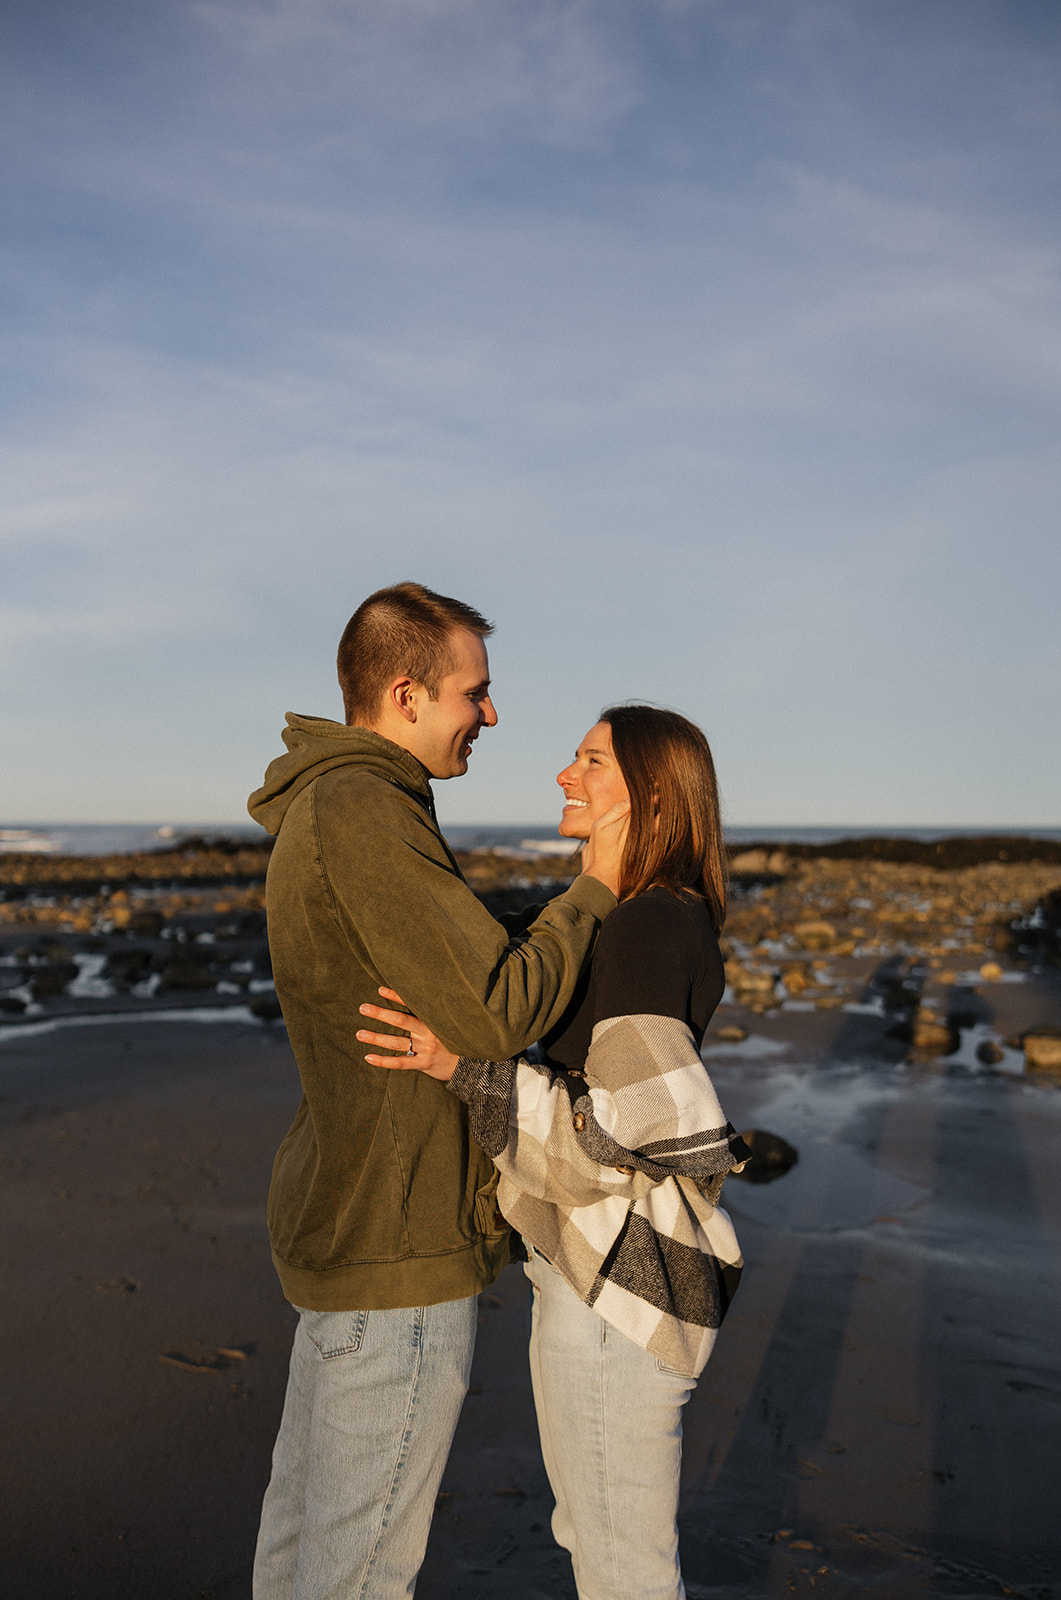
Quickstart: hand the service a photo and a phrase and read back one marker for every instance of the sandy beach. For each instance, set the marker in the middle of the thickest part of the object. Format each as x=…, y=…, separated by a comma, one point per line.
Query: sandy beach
x=881, y=1413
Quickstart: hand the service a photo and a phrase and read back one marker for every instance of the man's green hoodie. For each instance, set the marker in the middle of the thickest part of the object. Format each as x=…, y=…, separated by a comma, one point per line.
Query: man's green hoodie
x=380, y=1197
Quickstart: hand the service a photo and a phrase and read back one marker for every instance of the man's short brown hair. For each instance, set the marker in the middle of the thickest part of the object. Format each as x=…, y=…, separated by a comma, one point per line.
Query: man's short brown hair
x=401, y=632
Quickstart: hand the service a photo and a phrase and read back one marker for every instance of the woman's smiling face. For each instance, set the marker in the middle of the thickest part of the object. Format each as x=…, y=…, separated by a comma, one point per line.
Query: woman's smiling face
x=592, y=784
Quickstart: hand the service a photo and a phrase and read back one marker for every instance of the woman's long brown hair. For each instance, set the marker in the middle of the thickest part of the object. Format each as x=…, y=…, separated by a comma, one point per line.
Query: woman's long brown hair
x=675, y=836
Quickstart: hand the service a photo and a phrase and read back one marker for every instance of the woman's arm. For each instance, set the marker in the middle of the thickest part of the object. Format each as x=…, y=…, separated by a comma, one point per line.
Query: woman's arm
x=645, y=1105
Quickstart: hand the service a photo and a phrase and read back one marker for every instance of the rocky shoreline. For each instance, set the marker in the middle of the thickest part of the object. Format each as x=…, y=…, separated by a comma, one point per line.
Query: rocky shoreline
x=914, y=931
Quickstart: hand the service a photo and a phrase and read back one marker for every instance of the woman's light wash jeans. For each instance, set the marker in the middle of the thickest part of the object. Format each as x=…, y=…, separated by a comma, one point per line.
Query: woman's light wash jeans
x=372, y=1403
x=610, y=1419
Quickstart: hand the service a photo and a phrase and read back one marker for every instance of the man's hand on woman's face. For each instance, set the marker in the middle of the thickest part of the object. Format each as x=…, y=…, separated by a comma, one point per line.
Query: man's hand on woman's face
x=602, y=854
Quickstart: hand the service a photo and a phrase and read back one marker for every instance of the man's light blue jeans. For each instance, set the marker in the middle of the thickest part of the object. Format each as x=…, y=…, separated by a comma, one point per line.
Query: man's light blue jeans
x=372, y=1403
x=610, y=1420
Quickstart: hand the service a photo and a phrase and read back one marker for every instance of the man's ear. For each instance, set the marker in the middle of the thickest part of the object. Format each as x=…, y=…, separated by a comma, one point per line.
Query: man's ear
x=403, y=695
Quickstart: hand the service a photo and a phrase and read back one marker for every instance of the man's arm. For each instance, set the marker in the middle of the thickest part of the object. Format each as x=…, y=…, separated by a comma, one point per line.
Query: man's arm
x=418, y=926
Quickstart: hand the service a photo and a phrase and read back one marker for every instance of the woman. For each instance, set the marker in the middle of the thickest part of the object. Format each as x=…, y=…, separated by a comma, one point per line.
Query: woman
x=612, y=1151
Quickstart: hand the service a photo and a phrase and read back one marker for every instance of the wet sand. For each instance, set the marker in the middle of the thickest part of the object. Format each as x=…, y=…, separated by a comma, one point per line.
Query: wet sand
x=881, y=1415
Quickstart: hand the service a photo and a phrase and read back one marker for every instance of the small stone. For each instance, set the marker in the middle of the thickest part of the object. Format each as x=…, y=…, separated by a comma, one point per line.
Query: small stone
x=49, y=981
x=127, y=966
x=934, y=1038
x=749, y=981
x=732, y=1033
x=1042, y=1052
x=815, y=935
x=266, y=1007
x=771, y=1156
x=183, y=972
x=991, y=972
x=989, y=1054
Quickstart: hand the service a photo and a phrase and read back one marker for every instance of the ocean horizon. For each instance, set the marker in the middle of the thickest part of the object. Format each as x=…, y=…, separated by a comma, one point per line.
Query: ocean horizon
x=532, y=838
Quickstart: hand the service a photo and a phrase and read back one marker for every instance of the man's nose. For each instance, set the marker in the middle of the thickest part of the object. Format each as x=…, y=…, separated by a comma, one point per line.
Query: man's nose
x=488, y=714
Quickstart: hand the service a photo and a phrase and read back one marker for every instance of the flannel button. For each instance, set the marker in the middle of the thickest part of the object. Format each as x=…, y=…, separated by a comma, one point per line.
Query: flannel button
x=578, y=1121
x=627, y=1172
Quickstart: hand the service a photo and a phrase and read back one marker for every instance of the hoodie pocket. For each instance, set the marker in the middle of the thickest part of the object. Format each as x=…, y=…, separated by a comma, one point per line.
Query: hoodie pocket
x=488, y=1219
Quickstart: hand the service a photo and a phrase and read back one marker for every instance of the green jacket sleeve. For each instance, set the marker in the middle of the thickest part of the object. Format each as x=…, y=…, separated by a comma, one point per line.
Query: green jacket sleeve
x=412, y=919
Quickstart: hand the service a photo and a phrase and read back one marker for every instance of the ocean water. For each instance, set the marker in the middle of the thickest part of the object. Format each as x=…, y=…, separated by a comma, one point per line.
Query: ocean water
x=524, y=838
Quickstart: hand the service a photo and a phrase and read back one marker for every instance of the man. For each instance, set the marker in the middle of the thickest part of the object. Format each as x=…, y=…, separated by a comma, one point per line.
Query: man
x=382, y=1214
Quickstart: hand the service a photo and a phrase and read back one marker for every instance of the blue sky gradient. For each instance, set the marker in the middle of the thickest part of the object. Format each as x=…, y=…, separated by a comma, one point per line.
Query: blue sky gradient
x=710, y=347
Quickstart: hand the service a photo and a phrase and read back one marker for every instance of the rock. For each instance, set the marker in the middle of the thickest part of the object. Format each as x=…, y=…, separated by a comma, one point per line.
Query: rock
x=772, y=1156
x=1042, y=1051
x=128, y=966
x=732, y=1033
x=750, y=861
x=988, y=1053
x=118, y=911
x=11, y=1004
x=47, y=982
x=932, y=1038
x=266, y=1007
x=815, y=935
x=991, y=972
x=748, y=982
x=182, y=971
x=146, y=924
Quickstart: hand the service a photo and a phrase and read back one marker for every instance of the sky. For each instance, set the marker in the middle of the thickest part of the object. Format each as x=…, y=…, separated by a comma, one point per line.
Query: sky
x=710, y=348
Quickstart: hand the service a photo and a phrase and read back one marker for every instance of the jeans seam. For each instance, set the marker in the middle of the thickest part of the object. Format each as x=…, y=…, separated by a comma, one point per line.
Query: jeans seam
x=403, y=1451
x=605, y=1444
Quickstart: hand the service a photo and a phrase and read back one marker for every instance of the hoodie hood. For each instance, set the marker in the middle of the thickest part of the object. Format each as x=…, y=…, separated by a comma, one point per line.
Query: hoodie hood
x=314, y=746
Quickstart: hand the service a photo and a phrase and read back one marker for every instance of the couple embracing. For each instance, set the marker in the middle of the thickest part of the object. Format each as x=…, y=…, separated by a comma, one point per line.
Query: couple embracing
x=430, y=1129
